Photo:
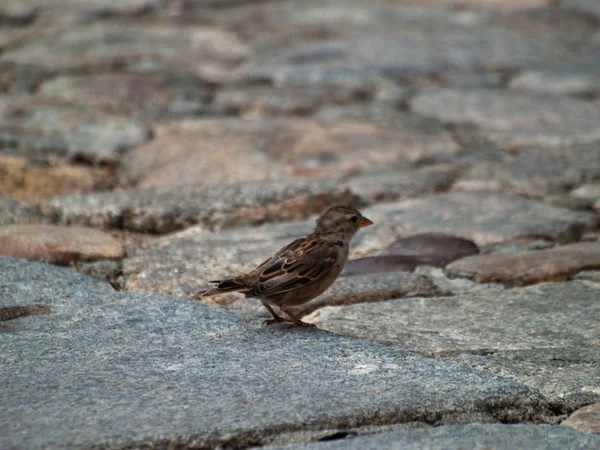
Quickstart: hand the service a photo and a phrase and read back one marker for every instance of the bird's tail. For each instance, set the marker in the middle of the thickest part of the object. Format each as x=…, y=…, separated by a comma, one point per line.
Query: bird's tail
x=223, y=286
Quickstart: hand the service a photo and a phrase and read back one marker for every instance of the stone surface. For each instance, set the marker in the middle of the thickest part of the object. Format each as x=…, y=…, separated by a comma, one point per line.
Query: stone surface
x=557, y=83
x=288, y=99
x=406, y=254
x=73, y=11
x=589, y=6
x=514, y=119
x=204, y=378
x=206, y=151
x=589, y=191
x=586, y=419
x=545, y=335
x=23, y=181
x=535, y=172
x=387, y=186
x=163, y=210
x=482, y=217
x=522, y=268
x=109, y=45
x=58, y=245
x=442, y=248
x=203, y=135
x=141, y=95
x=51, y=131
x=457, y=437
x=496, y=5
x=390, y=40
x=13, y=211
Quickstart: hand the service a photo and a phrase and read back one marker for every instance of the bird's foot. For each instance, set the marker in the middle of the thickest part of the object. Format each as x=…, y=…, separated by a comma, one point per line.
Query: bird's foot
x=272, y=321
x=302, y=324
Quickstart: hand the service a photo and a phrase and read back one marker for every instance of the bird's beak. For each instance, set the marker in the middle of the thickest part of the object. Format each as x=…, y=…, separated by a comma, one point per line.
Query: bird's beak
x=364, y=222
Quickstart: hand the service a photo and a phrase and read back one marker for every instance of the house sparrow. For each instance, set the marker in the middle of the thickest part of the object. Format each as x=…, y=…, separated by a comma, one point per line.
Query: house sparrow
x=301, y=270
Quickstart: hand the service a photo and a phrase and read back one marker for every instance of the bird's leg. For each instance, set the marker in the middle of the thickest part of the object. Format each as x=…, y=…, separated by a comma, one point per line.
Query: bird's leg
x=298, y=321
x=276, y=318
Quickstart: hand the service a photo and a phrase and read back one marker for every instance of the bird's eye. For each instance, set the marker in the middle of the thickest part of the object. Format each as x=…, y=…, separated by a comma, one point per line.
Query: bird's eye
x=354, y=219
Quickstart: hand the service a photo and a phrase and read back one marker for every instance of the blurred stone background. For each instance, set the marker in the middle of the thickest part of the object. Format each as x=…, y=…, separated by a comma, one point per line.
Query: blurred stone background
x=158, y=144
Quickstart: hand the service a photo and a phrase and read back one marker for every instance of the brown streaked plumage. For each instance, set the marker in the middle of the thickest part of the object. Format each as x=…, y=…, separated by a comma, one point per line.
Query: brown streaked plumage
x=302, y=270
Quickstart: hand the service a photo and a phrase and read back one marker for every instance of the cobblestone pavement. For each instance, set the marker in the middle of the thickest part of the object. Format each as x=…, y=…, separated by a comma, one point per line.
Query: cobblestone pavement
x=149, y=146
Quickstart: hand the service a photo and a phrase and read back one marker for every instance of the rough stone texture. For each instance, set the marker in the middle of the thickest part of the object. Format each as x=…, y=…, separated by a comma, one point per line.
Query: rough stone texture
x=590, y=192
x=588, y=275
x=206, y=151
x=535, y=172
x=557, y=82
x=514, y=119
x=483, y=217
x=50, y=131
x=442, y=248
x=589, y=6
x=13, y=211
x=545, y=336
x=108, y=390
x=73, y=11
x=23, y=181
x=457, y=437
x=58, y=245
x=523, y=268
x=163, y=210
x=586, y=419
x=106, y=46
x=496, y=5
x=289, y=99
x=230, y=122
x=142, y=95
x=406, y=254
x=397, y=42
x=388, y=186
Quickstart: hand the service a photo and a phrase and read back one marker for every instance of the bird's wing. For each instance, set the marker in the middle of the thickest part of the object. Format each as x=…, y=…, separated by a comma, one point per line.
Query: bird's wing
x=304, y=261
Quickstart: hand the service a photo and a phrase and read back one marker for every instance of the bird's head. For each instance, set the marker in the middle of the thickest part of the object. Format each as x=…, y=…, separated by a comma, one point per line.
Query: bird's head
x=341, y=222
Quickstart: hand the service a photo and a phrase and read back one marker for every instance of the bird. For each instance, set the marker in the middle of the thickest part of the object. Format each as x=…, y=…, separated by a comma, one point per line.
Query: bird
x=302, y=270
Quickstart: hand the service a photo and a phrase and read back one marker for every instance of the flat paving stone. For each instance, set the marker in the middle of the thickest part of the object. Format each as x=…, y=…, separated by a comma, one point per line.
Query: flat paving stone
x=456, y=437
x=22, y=180
x=144, y=96
x=535, y=172
x=495, y=5
x=586, y=419
x=545, y=336
x=482, y=217
x=105, y=46
x=522, y=268
x=76, y=11
x=395, y=41
x=58, y=245
x=514, y=119
x=206, y=151
x=378, y=186
x=13, y=211
x=203, y=378
x=51, y=131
